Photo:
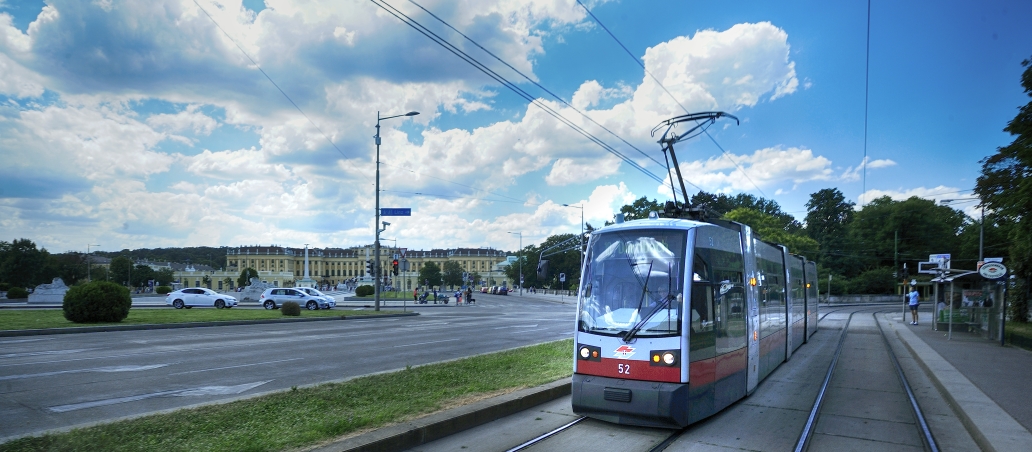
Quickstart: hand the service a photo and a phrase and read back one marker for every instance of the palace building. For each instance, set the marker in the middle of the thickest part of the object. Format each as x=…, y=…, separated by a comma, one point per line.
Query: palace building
x=284, y=266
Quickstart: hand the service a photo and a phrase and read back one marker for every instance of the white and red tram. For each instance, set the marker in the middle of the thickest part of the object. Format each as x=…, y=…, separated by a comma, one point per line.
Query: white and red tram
x=677, y=319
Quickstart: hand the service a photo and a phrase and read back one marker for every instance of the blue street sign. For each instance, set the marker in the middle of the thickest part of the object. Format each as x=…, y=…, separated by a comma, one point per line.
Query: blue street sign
x=395, y=212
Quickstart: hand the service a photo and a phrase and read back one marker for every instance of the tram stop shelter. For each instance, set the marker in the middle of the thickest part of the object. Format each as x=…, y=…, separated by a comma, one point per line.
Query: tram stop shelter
x=967, y=301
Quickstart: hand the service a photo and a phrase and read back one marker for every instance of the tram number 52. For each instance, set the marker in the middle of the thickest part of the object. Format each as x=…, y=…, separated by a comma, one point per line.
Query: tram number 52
x=623, y=369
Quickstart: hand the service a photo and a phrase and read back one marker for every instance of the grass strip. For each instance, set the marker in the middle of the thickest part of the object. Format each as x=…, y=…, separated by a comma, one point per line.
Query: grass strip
x=308, y=416
x=11, y=319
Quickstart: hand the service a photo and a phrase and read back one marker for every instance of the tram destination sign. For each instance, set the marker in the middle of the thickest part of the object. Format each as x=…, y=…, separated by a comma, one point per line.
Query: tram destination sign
x=396, y=211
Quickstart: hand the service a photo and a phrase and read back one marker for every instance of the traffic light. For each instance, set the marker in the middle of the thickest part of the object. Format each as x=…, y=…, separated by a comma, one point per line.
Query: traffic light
x=369, y=267
x=394, y=267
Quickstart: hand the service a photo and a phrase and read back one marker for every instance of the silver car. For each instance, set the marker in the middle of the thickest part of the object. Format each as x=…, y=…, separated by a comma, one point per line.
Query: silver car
x=199, y=296
x=330, y=301
x=273, y=298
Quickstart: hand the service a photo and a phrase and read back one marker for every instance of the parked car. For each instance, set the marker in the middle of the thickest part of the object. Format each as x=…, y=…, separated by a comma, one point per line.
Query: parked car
x=274, y=297
x=330, y=301
x=199, y=296
x=484, y=289
x=503, y=290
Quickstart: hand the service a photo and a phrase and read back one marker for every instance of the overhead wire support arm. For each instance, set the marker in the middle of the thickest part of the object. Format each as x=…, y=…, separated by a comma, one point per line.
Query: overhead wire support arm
x=668, y=139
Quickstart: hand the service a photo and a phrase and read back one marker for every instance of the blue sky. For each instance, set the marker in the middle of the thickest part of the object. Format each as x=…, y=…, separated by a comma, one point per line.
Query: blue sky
x=130, y=124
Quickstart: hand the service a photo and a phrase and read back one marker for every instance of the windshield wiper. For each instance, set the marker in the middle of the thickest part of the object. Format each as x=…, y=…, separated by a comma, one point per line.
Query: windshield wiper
x=637, y=327
x=644, y=291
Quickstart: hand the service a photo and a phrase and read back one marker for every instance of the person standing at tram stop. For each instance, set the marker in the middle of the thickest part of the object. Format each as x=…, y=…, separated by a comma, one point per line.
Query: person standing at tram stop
x=913, y=297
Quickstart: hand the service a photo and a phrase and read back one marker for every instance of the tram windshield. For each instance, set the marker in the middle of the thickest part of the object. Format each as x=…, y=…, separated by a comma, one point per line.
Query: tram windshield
x=633, y=283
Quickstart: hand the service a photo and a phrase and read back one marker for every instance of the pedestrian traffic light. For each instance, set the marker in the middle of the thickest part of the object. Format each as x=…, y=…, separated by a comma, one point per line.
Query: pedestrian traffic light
x=394, y=267
x=369, y=267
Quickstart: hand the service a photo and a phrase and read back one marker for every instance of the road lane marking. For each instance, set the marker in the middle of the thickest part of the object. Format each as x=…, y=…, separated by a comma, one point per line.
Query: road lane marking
x=109, y=369
x=424, y=343
x=190, y=392
x=45, y=353
x=515, y=326
x=235, y=367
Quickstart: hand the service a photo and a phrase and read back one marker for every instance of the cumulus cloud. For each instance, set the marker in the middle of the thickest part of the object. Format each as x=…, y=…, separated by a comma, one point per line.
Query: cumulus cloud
x=340, y=62
x=763, y=168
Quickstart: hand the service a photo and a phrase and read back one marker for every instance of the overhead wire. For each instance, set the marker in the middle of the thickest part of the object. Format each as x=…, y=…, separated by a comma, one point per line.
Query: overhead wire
x=414, y=24
x=678, y=102
x=309, y=119
x=255, y=63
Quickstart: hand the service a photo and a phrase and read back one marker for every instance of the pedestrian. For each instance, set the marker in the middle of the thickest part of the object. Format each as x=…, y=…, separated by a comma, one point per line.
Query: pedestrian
x=913, y=304
x=415, y=295
x=469, y=295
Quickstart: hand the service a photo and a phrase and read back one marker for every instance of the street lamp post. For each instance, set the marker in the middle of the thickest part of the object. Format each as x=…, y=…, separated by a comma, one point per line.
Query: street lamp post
x=376, y=224
x=581, y=207
x=981, y=224
x=520, y=254
x=88, y=263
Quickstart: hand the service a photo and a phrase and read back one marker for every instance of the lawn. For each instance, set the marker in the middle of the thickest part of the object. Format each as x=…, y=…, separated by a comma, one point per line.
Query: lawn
x=11, y=319
x=1019, y=334
x=307, y=416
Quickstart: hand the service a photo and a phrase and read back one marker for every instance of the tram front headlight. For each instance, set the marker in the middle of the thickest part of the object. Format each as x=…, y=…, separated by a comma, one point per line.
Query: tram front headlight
x=663, y=357
x=589, y=353
x=669, y=358
x=585, y=353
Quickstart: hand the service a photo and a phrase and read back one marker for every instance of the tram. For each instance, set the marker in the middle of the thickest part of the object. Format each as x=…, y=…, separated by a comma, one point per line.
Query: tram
x=679, y=318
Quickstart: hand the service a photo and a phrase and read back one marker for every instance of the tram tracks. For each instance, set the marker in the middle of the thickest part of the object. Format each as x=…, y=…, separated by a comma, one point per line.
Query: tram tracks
x=887, y=399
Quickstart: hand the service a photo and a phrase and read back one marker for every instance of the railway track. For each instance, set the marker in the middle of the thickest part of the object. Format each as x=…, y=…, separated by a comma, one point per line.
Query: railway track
x=844, y=391
x=873, y=402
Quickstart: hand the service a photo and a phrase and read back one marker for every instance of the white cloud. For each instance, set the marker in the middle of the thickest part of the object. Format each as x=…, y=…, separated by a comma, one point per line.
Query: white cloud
x=763, y=168
x=934, y=194
x=187, y=120
x=854, y=174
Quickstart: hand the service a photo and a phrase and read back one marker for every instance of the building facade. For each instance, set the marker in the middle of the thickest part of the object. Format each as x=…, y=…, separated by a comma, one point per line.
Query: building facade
x=284, y=266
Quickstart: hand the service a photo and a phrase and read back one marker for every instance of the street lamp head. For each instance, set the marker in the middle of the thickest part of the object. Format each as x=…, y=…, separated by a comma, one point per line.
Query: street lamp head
x=412, y=113
x=385, y=224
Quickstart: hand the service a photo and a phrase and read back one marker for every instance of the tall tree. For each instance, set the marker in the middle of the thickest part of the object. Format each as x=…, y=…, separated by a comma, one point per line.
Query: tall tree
x=120, y=270
x=23, y=265
x=430, y=274
x=828, y=216
x=769, y=228
x=913, y=228
x=452, y=275
x=1005, y=187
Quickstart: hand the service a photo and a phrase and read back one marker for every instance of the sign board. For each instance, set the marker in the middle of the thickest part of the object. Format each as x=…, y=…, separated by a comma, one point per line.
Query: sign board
x=942, y=259
x=562, y=277
x=992, y=270
x=396, y=211
x=994, y=259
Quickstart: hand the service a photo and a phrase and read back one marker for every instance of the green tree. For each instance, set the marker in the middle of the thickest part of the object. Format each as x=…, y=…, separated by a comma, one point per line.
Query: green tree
x=721, y=204
x=206, y=280
x=165, y=276
x=430, y=273
x=639, y=209
x=828, y=216
x=246, y=275
x=1005, y=187
x=772, y=229
x=120, y=270
x=913, y=228
x=142, y=274
x=452, y=274
x=23, y=265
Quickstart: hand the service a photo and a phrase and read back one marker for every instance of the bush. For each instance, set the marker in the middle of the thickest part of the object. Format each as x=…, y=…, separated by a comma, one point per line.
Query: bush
x=98, y=301
x=364, y=291
x=4, y=287
x=290, y=308
x=17, y=292
x=163, y=290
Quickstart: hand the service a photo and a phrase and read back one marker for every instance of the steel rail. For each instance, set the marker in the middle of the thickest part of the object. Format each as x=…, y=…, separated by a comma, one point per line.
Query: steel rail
x=926, y=433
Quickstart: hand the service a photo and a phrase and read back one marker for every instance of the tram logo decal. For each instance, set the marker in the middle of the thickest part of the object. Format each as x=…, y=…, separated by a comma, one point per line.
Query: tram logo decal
x=623, y=352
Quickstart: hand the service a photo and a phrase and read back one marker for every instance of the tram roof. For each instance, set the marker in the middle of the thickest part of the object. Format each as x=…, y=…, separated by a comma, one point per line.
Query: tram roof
x=648, y=223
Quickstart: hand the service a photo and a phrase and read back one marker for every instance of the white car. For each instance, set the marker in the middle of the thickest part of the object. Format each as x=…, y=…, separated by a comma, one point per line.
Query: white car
x=199, y=296
x=274, y=297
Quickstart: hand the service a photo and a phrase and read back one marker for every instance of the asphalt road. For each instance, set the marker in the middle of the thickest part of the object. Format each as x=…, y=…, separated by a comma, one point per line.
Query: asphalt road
x=61, y=381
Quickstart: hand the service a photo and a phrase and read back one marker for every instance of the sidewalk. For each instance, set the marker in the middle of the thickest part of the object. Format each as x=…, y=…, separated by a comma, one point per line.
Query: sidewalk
x=986, y=384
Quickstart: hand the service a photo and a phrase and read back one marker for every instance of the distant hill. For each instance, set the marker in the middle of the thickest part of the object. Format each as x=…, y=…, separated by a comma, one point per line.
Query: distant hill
x=201, y=255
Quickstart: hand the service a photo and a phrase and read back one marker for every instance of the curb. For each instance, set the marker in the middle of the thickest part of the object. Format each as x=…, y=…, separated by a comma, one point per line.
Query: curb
x=171, y=326
x=436, y=426
x=989, y=425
